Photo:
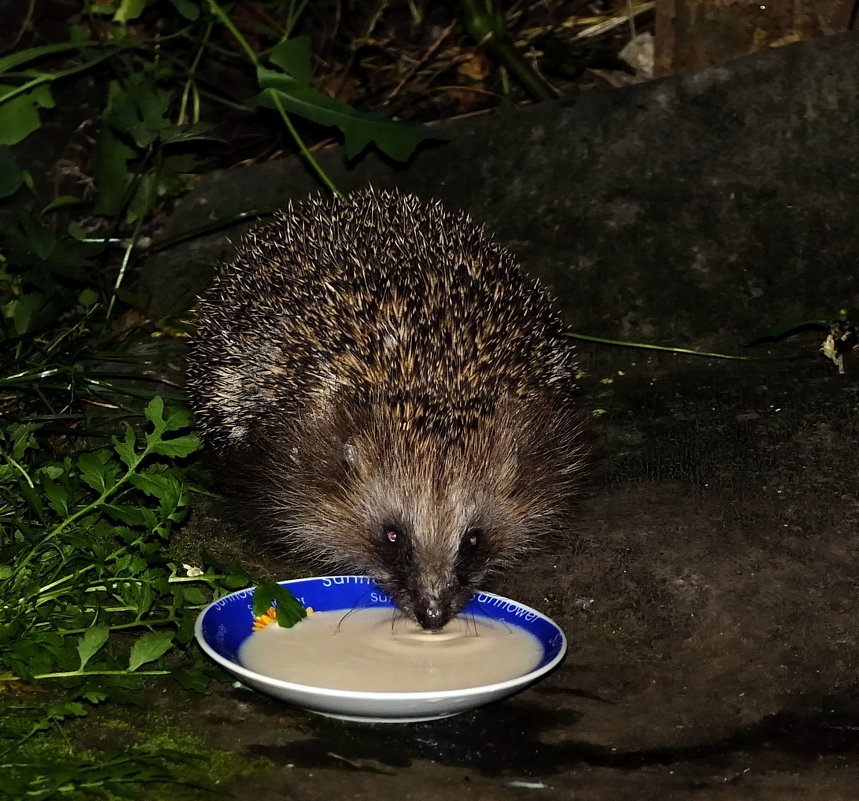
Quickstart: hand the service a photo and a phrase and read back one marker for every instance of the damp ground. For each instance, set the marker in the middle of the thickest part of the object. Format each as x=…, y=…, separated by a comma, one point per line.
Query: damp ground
x=708, y=594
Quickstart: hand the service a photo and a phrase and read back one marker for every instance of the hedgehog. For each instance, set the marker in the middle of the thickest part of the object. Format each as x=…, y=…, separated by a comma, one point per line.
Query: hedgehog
x=385, y=391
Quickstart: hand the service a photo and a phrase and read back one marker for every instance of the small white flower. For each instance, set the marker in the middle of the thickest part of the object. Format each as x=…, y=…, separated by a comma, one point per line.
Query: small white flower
x=192, y=572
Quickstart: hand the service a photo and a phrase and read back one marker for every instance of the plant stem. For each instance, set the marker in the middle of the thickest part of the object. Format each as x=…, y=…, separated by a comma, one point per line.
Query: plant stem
x=123, y=268
x=147, y=624
x=669, y=349
x=308, y=156
x=485, y=23
x=34, y=53
x=228, y=23
x=50, y=77
x=70, y=674
x=294, y=15
x=78, y=573
x=254, y=59
x=189, y=81
x=18, y=467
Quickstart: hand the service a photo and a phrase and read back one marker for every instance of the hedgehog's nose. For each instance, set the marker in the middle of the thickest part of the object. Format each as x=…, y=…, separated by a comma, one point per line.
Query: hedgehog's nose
x=431, y=615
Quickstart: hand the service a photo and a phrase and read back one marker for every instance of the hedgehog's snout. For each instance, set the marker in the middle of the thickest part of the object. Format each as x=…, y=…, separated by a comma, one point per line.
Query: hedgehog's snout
x=432, y=613
x=433, y=607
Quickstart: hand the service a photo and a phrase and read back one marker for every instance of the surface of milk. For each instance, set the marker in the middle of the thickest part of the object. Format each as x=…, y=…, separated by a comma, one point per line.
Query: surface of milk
x=376, y=649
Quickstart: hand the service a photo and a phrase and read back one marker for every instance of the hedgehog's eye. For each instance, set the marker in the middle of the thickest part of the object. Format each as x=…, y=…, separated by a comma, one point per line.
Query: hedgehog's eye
x=394, y=536
x=471, y=539
x=393, y=547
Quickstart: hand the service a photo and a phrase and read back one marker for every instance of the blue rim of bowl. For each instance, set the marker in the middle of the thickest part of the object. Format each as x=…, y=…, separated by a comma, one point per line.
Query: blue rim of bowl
x=237, y=669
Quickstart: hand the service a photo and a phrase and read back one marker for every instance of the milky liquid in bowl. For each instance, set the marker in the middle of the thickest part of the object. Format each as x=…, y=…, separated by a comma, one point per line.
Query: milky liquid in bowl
x=378, y=650
x=224, y=626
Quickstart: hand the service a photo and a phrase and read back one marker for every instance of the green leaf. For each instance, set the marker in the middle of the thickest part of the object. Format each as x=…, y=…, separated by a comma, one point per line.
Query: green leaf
x=39, y=238
x=58, y=498
x=125, y=447
x=76, y=232
x=111, y=171
x=129, y=10
x=164, y=486
x=293, y=57
x=193, y=677
x=289, y=609
x=33, y=499
x=196, y=132
x=101, y=9
x=31, y=312
x=67, y=709
x=33, y=53
x=154, y=413
x=149, y=647
x=125, y=534
x=19, y=117
x=50, y=255
x=396, y=139
x=95, y=472
x=176, y=448
x=152, y=483
x=91, y=642
x=189, y=10
x=142, y=598
x=138, y=108
x=23, y=438
x=236, y=580
x=11, y=176
x=194, y=596
x=88, y=298
x=145, y=197
x=138, y=516
x=178, y=417
x=61, y=202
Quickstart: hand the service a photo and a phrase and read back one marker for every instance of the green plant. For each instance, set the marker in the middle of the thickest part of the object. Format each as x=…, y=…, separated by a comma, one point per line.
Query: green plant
x=485, y=22
x=89, y=602
x=155, y=102
x=81, y=553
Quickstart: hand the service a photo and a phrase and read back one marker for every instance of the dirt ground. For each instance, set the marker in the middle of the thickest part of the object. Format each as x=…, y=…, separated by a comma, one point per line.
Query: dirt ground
x=708, y=595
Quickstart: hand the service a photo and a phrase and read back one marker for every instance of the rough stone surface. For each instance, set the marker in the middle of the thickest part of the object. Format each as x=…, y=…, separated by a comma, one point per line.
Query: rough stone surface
x=696, y=209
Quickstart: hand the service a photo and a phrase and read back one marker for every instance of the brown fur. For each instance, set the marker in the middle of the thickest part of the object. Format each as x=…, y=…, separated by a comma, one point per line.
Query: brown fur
x=383, y=368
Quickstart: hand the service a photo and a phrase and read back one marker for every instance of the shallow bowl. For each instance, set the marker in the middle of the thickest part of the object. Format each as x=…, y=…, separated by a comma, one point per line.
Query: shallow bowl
x=224, y=625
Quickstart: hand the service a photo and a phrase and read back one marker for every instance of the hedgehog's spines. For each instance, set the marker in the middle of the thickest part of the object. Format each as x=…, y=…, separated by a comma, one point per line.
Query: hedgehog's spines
x=406, y=330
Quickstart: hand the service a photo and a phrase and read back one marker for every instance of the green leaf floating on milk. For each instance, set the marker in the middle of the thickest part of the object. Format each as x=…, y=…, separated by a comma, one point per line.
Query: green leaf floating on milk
x=289, y=609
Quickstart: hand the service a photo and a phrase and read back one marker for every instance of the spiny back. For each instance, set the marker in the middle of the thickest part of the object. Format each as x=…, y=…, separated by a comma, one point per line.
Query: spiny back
x=384, y=297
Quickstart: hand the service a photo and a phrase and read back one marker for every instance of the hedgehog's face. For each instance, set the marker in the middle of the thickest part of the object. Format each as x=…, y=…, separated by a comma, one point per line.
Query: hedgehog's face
x=428, y=541
x=429, y=582
x=429, y=515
